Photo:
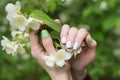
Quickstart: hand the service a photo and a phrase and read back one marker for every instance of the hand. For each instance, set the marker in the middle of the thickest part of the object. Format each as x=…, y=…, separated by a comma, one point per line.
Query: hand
x=38, y=53
x=73, y=39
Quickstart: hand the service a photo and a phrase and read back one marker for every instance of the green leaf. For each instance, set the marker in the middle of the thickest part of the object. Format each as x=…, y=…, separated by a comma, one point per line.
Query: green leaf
x=55, y=35
x=46, y=19
x=52, y=6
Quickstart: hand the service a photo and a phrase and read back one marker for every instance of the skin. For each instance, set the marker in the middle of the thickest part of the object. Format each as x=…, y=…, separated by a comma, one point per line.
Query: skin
x=75, y=65
x=78, y=65
x=38, y=53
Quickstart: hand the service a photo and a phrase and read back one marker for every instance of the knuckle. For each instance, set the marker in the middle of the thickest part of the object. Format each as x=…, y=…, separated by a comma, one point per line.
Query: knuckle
x=58, y=21
x=48, y=43
x=65, y=26
x=95, y=43
x=83, y=30
x=73, y=29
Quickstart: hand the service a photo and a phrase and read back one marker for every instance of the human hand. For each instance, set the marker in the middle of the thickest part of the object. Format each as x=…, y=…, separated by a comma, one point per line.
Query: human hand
x=38, y=52
x=73, y=39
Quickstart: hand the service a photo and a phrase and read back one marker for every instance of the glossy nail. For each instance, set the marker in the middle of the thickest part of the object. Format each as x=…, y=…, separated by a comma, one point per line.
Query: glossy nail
x=75, y=46
x=44, y=33
x=63, y=40
x=90, y=39
x=69, y=44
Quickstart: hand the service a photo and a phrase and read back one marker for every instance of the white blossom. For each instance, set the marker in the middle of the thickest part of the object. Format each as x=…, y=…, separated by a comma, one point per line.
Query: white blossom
x=20, y=35
x=12, y=10
x=12, y=47
x=76, y=52
x=19, y=22
x=20, y=49
x=59, y=58
x=50, y=60
x=34, y=23
x=15, y=33
x=26, y=35
x=103, y=5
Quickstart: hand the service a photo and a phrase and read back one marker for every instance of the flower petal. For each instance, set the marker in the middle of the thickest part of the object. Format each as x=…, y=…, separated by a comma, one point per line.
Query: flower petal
x=60, y=63
x=18, y=5
x=19, y=21
x=67, y=55
x=49, y=60
x=10, y=8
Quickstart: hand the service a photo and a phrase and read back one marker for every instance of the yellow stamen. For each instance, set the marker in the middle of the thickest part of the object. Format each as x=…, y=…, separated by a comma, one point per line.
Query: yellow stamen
x=60, y=56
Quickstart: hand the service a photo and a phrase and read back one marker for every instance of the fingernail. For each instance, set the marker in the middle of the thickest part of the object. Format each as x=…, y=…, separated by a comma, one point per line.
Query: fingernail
x=69, y=44
x=75, y=46
x=63, y=40
x=90, y=39
x=44, y=33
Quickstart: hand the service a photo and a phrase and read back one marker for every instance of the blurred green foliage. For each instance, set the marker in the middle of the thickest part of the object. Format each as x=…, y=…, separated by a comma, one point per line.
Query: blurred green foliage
x=100, y=17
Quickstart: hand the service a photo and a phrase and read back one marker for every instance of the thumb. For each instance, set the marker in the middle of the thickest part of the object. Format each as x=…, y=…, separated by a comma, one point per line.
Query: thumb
x=90, y=42
x=47, y=42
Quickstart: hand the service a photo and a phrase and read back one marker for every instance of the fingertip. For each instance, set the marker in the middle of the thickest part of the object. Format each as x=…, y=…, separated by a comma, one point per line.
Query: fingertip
x=58, y=21
x=91, y=42
x=34, y=32
x=64, y=33
x=47, y=42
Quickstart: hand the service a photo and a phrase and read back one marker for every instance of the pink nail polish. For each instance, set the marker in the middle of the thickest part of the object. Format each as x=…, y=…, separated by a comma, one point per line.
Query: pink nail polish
x=69, y=44
x=63, y=40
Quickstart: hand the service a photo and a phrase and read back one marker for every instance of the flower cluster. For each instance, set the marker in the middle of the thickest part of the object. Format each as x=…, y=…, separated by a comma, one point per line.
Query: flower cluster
x=18, y=20
x=20, y=26
x=60, y=57
x=12, y=47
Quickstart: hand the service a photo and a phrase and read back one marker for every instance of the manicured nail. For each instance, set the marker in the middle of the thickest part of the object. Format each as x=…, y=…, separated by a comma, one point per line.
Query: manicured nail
x=69, y=44
x=63, y=40
x=90, y=39
x=75, y=46
x=44, y=33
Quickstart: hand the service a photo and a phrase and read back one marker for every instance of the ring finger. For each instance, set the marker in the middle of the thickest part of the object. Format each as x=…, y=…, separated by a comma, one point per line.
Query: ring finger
x=70, y=38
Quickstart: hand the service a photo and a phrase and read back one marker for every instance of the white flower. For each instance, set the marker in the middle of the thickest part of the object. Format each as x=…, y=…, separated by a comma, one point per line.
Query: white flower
x=9, y=46
x=20, y=35
x=61, y=57
x=58, y=59
x=50, y=60
x=75, y=52
x=19, y=22
x=12, y=10
x=34, y=23
x=20, y=48
x=26, y=35
x=103, y=5
x=15, y=33
x=12, y=47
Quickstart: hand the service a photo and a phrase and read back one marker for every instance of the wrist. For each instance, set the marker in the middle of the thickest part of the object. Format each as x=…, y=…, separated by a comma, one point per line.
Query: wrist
x=79, y=75
x=61, y=76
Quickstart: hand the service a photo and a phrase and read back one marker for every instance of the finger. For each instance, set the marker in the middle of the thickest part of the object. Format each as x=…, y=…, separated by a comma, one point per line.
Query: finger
x=58, y=21
x=90, y=42
x=70, y=38
x=47, y=42
x=36, y=48
x=81, y=35
x=64, y=33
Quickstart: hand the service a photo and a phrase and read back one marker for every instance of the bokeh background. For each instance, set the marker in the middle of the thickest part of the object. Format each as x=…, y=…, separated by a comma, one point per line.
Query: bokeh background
x=100, y=17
